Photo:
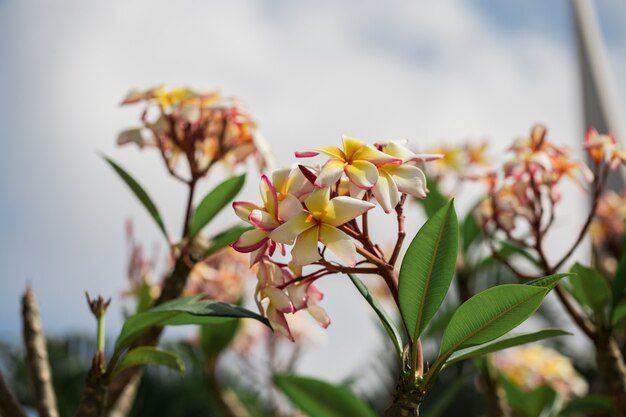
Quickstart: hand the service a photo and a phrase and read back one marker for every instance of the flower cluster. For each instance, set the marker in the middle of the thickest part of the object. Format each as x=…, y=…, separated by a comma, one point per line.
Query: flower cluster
x=459, y=161
x=304, y=206
x=533, y=366
x=202, y=128
x=220, y=277
x=519, y=191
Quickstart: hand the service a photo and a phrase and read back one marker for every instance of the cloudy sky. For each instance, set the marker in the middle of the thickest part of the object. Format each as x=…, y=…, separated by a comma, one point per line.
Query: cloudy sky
x=309, y=71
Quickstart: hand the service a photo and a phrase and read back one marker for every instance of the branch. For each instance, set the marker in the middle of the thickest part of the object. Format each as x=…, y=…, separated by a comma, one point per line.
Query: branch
x=9, y=407
x=37, y=357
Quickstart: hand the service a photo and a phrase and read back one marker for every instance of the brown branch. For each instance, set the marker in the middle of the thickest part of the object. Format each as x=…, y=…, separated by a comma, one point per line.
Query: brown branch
x=9, y=407
x=584, y=324
x=37, y=357
x=401, y=232
x=125, y=401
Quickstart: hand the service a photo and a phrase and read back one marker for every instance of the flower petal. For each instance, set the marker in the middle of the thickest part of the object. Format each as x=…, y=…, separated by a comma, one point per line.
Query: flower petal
x=330, y=173
x=279, y=323
x=386, y=192
x=305, y=251
x=373, y=155
x=298, y=295
x=243, y=209
x=317, y=201
x=350, y=146
x=338, y=243
x=263, y=220
x=332, y=151
x=341, y=210
x=250, y=240
x=278, y=299
x=363, y=174
x=319, y=314
x=289, y=207
x=268, y=194
x=288, y=231
x=409, y=179
x=280, y=178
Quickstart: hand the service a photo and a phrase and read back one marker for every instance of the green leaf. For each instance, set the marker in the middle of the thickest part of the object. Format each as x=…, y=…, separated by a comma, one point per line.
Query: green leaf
x=539, y=402
x=145, y=355
x=503, y=342
x=428, y=268
x=619, y=313
x=182, y=311
x=140, y=193
x=549, y=281
x=435, y=199
x=588, y=405
x=321, y=399
x=589, y=287
x=470, y=229
x=619, y=283
x=225, y=238
x=215, y=337
x=214, y=202
x=387, y=322
x=490, y=314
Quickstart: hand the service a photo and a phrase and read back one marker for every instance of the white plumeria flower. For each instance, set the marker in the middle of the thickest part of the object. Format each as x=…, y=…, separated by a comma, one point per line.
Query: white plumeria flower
x=319, y=223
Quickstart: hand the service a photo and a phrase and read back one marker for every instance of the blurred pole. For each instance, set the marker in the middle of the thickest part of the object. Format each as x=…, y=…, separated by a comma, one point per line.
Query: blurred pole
x=601, y=109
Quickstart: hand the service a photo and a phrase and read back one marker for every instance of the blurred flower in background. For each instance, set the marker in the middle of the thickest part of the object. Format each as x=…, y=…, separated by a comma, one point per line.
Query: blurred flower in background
x=533, y=366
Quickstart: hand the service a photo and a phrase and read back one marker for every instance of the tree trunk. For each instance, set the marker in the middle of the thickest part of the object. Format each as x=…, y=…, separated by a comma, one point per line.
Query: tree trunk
x=612, y=372
x=406, y=400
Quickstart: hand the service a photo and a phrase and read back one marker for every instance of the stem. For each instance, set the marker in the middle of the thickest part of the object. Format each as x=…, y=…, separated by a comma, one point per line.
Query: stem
x=101, y=334
x=188, y=210
x=37, y=357
x=401, y=232
x=613, y=372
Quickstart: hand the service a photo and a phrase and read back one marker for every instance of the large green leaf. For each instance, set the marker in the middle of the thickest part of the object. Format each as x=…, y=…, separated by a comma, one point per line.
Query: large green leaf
x=214, y=202
x=549, y=281
x=182, y=311
x=503, y=342
x=321, y=399
x=619, y=283
x=225, y=238
x=141, y=194
x=590, y=288
x=428, y=268
x=387, y=322
x=490, y=314
x=145, y=355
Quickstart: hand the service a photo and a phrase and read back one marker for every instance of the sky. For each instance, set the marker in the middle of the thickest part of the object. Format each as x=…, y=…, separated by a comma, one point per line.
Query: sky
x=429, y=72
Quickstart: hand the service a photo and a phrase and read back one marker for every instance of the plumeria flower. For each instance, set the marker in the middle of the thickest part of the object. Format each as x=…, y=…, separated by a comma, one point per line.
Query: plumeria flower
x=357, y=160
x=400, y=178
x=272, y=300
x=319, y=223
x=603, y=148
x=264, y=219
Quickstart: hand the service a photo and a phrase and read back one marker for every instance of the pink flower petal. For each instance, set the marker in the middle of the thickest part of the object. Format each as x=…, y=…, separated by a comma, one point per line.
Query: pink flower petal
x=320, y=315
x=363, y=174
x=278, y=299
x=250, y=240
x=263, y=220
x=243, y=209
x=298, y=295
x=338, y=243
x=279, y=323
x=269, y=196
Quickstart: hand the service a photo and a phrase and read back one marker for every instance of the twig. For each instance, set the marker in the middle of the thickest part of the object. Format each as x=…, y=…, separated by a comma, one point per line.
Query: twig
x=37, y=357
x=9, y=407
x=125, y=401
